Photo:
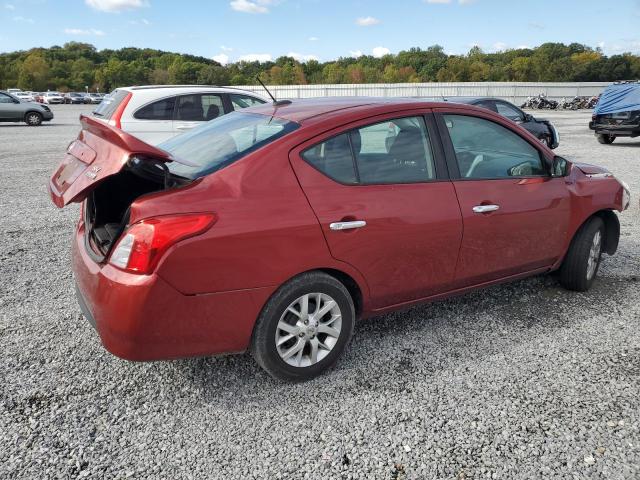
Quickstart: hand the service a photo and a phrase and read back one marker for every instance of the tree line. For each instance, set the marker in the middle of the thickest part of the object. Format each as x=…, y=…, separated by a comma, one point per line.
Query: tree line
x=76, y=65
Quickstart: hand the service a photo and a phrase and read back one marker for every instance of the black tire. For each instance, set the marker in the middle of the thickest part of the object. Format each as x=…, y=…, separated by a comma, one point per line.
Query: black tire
x=574, y=272
x=605, y=139
x=263, y=342
x=33, y=119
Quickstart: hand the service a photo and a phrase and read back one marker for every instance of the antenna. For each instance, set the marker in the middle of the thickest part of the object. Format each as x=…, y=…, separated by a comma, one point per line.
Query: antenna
x=275, y=102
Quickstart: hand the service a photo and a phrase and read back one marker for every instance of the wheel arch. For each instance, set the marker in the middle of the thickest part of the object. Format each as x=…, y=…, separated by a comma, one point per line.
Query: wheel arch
x=31, y=110
x=612, y=230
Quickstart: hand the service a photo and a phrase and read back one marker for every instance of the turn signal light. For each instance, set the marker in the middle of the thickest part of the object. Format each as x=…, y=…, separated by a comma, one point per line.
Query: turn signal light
x=143, y=243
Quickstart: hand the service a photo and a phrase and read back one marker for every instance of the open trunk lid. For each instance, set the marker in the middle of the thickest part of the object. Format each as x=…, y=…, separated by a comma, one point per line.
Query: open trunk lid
x=99, y=152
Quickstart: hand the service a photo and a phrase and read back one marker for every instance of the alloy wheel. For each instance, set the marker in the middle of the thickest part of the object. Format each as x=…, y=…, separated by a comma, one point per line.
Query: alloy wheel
x=594, y=255
x=308, y=330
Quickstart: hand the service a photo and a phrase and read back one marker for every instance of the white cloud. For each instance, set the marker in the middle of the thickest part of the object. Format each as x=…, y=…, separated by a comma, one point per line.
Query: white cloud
x=221, y=58
x=301, y=58
x=226, y=49
x=9, y=6
x=500, y=46
x=142, y=21
x=251, y=6
x=313, y=39
x=82, y=31
x=380, y=52
x=23, y=19
x=367, y=21
x=256, y=57
x=116, y=5
x=355, y=53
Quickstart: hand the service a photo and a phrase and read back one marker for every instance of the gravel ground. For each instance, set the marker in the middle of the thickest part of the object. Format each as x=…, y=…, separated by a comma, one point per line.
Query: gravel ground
x=525, y=380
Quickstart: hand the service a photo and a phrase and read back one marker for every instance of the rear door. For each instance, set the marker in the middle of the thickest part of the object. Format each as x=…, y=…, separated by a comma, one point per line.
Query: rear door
x=515, y=214
x=380, y=191
x=195, y=109
x=152, y=122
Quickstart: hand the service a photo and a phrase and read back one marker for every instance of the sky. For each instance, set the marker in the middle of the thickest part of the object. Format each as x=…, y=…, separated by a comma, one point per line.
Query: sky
x=231, y=30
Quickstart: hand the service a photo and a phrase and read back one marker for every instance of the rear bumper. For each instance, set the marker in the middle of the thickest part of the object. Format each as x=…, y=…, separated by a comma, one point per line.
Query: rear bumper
x=142, y=317
x=616, y=130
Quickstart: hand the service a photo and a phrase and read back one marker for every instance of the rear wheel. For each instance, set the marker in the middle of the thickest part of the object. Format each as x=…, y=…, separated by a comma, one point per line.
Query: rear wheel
x=304, y=327
x=33, y=119
x=605, y=139
x=580, y=266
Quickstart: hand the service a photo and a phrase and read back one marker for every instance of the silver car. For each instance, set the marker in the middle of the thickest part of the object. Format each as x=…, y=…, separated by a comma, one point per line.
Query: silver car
x=12, y=109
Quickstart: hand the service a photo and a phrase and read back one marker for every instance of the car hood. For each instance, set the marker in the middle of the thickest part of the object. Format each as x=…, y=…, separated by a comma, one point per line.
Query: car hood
x=589, y=169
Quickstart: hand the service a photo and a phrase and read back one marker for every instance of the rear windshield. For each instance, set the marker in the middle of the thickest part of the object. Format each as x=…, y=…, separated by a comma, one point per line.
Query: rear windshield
x=110, y=104
x=222, y=141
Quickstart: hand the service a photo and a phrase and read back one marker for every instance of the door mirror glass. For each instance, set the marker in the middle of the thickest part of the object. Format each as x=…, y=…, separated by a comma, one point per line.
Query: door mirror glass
x=559, y=167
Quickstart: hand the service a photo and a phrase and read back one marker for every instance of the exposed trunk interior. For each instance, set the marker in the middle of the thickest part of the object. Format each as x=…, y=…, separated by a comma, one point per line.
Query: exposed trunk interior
x=107, y=206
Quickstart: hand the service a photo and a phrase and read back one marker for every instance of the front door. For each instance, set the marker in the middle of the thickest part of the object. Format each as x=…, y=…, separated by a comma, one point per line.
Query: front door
x=515, y=214
x=385, y=205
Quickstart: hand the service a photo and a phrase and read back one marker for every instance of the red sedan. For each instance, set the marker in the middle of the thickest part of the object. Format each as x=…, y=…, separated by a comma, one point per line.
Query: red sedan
x=274, y=228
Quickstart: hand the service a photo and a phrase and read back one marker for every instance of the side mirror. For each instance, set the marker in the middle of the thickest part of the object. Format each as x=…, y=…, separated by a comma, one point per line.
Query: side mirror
x=528, y=117
x=559, y=167
x=16, y=101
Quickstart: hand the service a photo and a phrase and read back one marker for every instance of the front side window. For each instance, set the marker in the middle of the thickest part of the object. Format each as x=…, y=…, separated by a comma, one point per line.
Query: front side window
x=393, y=151
x=221, y=142
x=508, y=111
x=487, y=150
x=160, y=110
x=243, y=101
x=5, y=98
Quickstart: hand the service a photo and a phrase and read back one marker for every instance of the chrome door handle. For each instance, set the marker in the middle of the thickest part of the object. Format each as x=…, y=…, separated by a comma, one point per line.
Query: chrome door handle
x=485, y=208
x=184, y=127
x=347, y=225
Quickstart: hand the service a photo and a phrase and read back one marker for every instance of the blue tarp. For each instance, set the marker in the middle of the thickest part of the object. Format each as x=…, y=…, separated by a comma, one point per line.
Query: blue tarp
x=619, y=98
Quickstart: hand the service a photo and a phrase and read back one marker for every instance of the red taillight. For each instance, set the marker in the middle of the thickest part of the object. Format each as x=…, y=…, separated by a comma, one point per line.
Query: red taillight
x=117, y=115
x=142, y=245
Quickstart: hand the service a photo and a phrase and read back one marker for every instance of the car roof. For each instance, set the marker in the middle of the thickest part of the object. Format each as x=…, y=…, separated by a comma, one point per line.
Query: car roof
x=183, y=87
x=305, y=109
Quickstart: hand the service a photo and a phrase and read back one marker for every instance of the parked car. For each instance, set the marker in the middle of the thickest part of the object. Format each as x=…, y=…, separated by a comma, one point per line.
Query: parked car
x=274, y=228
x=13, y=91
x=52, y=97
x=24, y=96
x=74, y=98
x=13, y=109
x=94, y=98
x=617, y=113
x=38, y=97
x=157, y=113
x=542, y=129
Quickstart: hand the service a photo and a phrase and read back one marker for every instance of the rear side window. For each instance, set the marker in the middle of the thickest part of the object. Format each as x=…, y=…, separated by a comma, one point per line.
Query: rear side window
x=160, y=110
x=243, y=101
x=110, y=104
x=486, y=150
x=199, y=107
x=334, y=159
x=394, y=151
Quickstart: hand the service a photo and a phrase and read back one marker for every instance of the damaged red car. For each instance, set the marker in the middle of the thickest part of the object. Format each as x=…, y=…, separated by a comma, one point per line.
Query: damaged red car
x=273, y=229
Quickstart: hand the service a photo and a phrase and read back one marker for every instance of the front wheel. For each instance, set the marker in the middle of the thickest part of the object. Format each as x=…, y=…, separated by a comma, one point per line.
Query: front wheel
x=33, y=119
x=580, y=266
x=304, y=327
x=605, y=139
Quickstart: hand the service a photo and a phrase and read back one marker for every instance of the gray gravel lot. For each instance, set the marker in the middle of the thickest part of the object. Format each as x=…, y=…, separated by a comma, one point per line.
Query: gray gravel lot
x=519, y=381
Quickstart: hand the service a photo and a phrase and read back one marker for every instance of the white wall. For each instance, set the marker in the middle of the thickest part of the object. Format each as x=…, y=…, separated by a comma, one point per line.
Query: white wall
x=515, y=92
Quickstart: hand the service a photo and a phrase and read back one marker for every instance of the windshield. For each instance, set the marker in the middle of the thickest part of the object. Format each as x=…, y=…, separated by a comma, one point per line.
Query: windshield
x=222, y=141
